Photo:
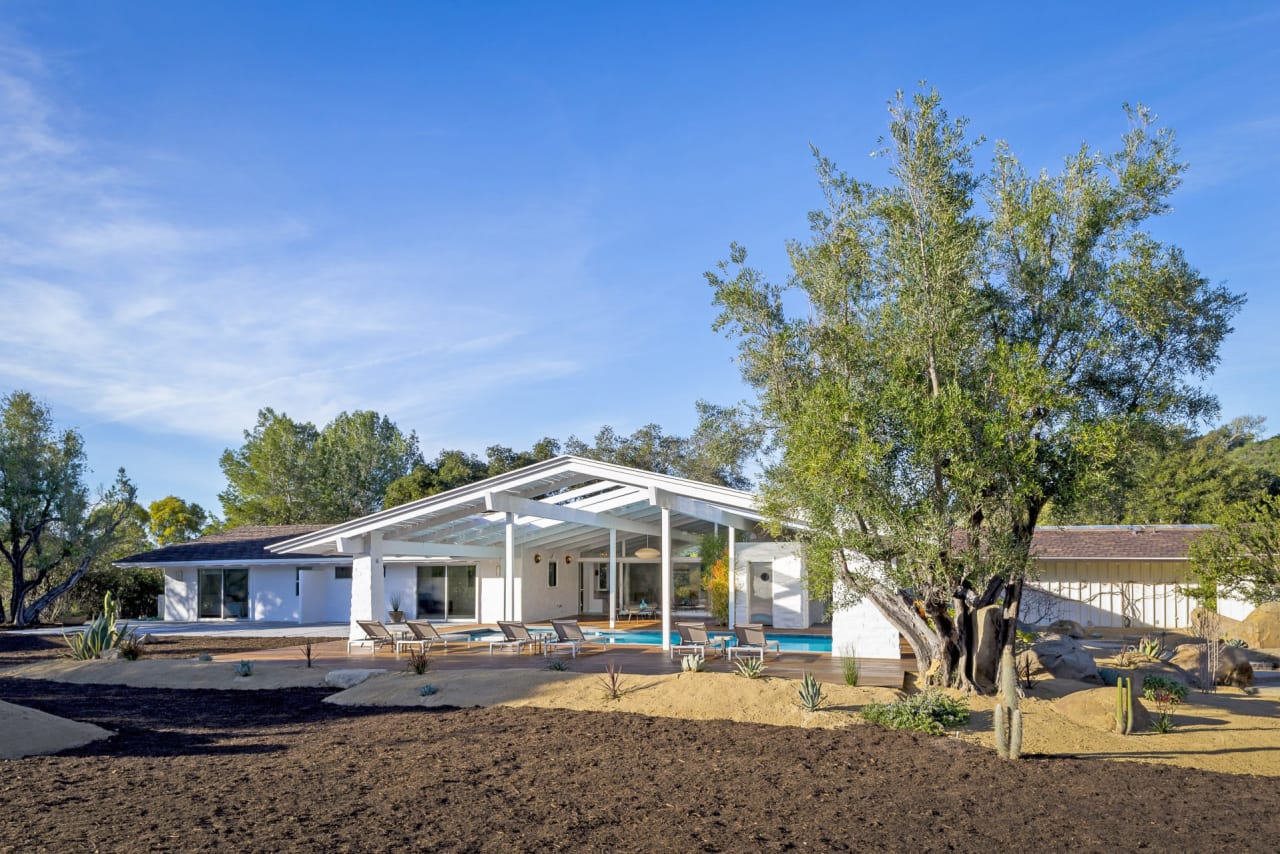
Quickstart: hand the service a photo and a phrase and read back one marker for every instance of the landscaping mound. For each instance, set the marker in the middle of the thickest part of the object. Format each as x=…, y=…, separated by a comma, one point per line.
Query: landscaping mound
x=1096, y=709
x=1233, y=665
x=27, y=732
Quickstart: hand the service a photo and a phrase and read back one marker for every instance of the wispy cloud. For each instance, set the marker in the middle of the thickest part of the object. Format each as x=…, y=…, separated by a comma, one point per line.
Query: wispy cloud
x=130, y=308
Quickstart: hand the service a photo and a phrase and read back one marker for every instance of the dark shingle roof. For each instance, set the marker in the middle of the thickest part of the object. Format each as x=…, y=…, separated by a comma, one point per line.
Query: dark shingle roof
x=1115, y=542
x=247, y=543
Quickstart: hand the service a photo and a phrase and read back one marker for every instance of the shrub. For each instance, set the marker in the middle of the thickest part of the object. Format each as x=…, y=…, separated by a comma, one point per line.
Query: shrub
x=811, y=697
x=557, y=664
x=693, y=664
x=752, y=668
x=612, y=681
x=849, y=664
x=204, y=656
x=244, y=668
x=930, y=711
x=716, y=583
x=1167, y=694
x=130, y=648
x=1236, y=642
x=428, y=689
x=419, y=661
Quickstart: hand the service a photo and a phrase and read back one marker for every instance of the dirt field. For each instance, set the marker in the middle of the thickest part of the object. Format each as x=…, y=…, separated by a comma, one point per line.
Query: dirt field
x=280, y=770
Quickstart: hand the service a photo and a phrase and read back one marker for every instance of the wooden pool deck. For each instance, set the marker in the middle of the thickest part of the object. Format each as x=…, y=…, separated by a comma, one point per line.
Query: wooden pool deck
x=594, y=658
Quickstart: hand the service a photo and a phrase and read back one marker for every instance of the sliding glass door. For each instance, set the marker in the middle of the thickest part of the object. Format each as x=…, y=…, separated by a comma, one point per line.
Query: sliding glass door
x=447, y=592
x=223, y=594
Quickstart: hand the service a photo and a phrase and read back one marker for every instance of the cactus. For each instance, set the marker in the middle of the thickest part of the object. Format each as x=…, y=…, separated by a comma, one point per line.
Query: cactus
x=1124, y=705
x=1008, y=717
x=811, y=697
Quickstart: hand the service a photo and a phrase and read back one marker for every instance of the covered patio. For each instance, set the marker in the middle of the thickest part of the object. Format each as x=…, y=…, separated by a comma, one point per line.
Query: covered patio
x=562, y=537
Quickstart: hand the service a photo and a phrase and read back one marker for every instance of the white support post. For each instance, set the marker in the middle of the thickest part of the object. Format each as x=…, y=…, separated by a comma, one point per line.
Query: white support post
x=613, y=578
x=368, y=598
x=666, y=580
x=733, y=575
x=509, y=570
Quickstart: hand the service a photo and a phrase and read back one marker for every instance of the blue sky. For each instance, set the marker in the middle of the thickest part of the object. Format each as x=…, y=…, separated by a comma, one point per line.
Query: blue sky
x=490, y=221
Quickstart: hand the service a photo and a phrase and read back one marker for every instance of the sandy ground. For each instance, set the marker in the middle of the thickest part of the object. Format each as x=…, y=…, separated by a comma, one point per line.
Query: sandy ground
x=27, y=732
x=1227, y=731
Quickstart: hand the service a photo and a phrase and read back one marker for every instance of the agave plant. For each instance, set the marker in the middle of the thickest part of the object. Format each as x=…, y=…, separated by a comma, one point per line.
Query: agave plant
x=752, y=668
x=1150, y=647
x=811, y=696
x=693, y=664
x=101, y=634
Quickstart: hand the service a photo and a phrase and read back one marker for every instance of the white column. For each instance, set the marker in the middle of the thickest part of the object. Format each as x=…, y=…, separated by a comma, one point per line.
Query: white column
x=733, y=575
x=368, y=598
x=613, y=578
x=666, y=580
x=509, y=570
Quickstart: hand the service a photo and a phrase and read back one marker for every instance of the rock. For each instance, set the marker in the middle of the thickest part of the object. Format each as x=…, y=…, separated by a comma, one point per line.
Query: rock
x=1070, y=628
x=110, y=654
x=1261, y=629
x=349, y=678
x=1064, y=658
x=1233, y=665
x=986, y=646
x=1096, y=709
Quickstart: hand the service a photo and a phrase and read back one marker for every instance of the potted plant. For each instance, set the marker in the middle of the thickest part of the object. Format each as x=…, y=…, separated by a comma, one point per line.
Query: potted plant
x=397, y=616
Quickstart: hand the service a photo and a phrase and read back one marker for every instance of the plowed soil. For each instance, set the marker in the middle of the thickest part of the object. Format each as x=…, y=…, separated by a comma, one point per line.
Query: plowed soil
x=282, y=771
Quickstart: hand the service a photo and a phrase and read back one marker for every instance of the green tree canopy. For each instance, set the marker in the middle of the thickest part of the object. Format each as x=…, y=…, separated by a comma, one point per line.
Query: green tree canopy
x=51, y=531
x=1241, y=557
x=288, y=472
x=958, y=348
x=172, y=520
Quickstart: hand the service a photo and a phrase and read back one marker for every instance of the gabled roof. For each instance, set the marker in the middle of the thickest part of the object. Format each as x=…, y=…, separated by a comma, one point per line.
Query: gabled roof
x=1115, y=542
x=246, y=544
x=566, y=502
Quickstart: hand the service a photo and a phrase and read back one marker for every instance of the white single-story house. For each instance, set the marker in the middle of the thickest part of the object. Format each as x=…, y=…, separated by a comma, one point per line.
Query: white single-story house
x=575, y=536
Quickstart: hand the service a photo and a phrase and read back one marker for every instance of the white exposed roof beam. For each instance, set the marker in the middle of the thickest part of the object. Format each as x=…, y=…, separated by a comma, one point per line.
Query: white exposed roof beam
x=507, y=503
x=405, y=548
x=349, y=545
x=703, y=510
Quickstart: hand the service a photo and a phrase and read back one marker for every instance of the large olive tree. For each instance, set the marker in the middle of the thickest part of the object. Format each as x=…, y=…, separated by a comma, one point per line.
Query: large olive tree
x=957, y=348
x=51, y=530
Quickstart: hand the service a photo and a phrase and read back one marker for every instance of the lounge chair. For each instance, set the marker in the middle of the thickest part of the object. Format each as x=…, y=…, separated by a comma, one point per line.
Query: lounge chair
x=568, y=636
x=751, y=641
x=375, y=635
x=515, y=637
x=694, y=638
x=424, y=636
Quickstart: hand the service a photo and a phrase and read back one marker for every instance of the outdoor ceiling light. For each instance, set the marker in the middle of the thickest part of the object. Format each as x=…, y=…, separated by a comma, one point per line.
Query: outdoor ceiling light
x=648, y=553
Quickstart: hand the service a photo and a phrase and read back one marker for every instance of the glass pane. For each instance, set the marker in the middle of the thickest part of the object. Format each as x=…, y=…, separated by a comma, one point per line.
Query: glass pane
x=235, y=593
x=431, y=592
x=210, y=593
x=462, y=592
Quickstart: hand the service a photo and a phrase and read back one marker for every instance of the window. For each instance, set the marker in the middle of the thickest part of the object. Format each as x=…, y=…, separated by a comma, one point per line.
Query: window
x=551, y=574
x=602, y=578
x=341, y=572
x=297, y=581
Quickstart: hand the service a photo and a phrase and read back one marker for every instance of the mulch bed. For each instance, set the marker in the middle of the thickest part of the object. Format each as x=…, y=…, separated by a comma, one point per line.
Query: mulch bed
x=281, y=771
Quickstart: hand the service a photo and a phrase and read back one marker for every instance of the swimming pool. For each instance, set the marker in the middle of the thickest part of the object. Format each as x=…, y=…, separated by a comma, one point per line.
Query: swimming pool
x=792, y=643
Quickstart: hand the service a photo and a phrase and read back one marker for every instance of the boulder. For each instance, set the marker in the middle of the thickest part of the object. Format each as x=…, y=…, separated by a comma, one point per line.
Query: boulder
x=1064, y=658
x=1261, y=629
x=1070, y=628
x=1233, y=665
x=1096, y=709
x=112, y=654
x=349, y=678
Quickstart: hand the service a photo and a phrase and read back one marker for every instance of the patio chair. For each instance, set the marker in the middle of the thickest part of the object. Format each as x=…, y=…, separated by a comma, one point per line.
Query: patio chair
x=568, y=636
x=424, y=636
x=515, y=637
x=751, y=641
x=375, y=635
x=694, y=638
x=626, y=611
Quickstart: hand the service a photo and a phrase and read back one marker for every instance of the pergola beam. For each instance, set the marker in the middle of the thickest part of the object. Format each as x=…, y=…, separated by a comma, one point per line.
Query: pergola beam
x=508, y=503
x=698, y=509
x=407, y=548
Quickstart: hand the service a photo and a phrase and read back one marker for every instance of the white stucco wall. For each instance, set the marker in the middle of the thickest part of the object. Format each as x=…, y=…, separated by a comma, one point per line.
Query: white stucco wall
x=179, y=594
x=785, y=588
x=859, y=628
x=491, y=585
x=537, y=600
x=1110, y=593
x=402, y=579
x=325, y=599
x=272, y=594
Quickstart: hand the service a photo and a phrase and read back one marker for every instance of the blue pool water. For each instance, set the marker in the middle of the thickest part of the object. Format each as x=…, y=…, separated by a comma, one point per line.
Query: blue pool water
x=792, y=643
